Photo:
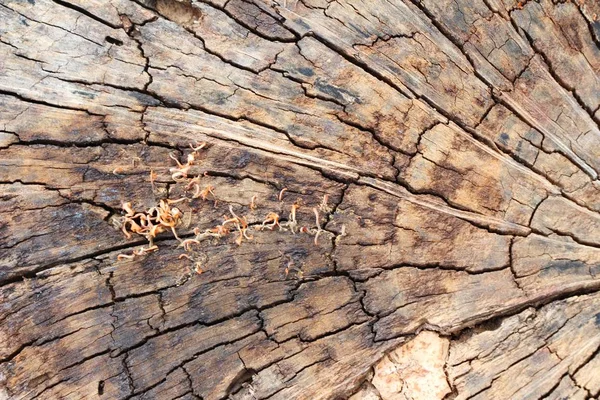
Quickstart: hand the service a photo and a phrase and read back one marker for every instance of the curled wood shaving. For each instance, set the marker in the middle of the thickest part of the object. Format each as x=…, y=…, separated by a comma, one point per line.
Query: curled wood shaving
x=140, y=252
x=272, y=219
x=292, y=223
x=151, y=222
x=318, y=223
x=280, y=197
x=166, y=217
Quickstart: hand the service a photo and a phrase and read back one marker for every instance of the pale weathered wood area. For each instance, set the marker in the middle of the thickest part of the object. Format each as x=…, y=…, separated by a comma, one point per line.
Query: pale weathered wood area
x=457, y=143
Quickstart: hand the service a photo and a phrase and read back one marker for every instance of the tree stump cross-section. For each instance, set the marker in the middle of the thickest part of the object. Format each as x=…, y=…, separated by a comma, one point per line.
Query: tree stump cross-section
x=429, y=169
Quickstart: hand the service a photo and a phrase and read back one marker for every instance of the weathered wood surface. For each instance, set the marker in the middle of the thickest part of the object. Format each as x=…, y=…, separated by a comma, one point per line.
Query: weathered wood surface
x=458, y=143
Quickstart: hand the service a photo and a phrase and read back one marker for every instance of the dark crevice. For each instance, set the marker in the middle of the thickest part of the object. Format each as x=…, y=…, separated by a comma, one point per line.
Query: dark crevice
x=359, y=63
x=537, y=206
x=497, y=99
x=211, y=111
x=189, y=29
x=190, y=382
x=548, y=392
x=112, y=40
x=371, y=131
x=86, y=144
x=54, y=26
x=134, y=34
x=522, y=357
x=512, y=265
x=532, y=301
x=11, y=45
x=208, y=323
x=86, y=13
x=471, y=130
x=187, y=360
x=594, y=34
x=511, y=229
x=559, y=80
x=582, y=165
x=128, y=374
x=33, y=101
x=250, y=28
x=37, y=343
x=575, y=238
x=82, y=144
x=592, y=356
x=29, y=58
x=442, y=267
x=32, y=273
x=243, y=378
x=49, y=387
x=140, y=91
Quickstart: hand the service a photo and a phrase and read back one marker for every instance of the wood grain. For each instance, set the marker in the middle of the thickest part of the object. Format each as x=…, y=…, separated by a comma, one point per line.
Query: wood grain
x=450, y=148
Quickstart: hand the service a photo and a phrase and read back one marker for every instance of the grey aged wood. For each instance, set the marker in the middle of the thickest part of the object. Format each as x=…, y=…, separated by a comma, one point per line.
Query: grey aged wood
x=457, y=145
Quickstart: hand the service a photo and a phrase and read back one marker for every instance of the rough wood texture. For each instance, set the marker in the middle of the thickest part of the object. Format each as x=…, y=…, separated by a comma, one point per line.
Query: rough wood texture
x=458, y=143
